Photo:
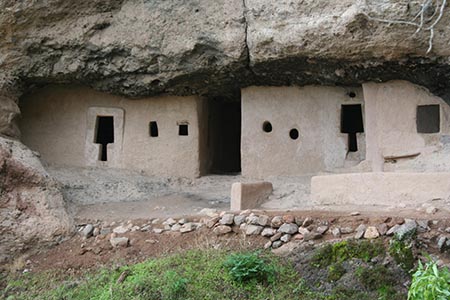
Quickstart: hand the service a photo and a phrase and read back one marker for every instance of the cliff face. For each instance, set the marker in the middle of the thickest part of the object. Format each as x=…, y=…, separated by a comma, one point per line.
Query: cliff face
x=143, y=47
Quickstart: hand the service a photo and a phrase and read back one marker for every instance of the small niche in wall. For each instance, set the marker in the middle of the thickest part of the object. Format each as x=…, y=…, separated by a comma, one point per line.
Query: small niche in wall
x=183, y=129
x=153, y=128
x=293, y=134
x=267, y=126
x=352, y=123
x=428, y=118
x=104, y=134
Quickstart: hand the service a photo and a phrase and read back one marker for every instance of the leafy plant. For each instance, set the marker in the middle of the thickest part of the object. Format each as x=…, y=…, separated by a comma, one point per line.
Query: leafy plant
x=249, y=266
x=430, y=283
x=335, y=272
x=401, y=251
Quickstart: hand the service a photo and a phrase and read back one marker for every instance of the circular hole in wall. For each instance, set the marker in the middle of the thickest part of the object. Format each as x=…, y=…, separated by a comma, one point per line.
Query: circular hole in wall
x=352, y=94
x=293, y=134
x=267, y=127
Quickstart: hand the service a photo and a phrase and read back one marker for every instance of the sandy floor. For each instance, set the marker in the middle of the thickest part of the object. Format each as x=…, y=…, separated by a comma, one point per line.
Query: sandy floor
x=109, y=194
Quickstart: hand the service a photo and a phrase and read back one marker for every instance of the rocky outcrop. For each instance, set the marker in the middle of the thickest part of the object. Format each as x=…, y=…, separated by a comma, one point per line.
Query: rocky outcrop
x=32, y=211
x=141, y=47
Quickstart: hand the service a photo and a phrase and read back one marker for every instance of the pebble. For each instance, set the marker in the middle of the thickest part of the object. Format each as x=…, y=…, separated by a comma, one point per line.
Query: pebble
x=277, y=244
x=238, y=220
x=210, y=212
x=312, y=236
x=187, y=227
x=267, y=245
x=121, y=229
x=276, y=222
x=276, y=236
x=252, y=219
x=87, y=231
x=170, y=222
x=308, y=221
x=105, y=231
x=431, y=210
x=285, y=238
x=182, y=221
x=360, y=230
x=303, y=230
x=211, y=222
x=336, y=232
x=289, y=228
x=158, y=230
x=263, y=220
x=347, y=230
x=355, y=213
x=288, y=218
x=382, y=228
x=322, y=229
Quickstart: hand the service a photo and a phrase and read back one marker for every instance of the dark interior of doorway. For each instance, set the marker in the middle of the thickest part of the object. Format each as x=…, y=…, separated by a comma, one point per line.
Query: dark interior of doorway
x=352, y=123
x=224, y=136
x=104, y=134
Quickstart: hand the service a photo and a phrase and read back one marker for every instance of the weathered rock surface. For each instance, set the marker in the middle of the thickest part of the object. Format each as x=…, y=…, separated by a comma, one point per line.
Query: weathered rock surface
x=139, y=48
x=32, y=211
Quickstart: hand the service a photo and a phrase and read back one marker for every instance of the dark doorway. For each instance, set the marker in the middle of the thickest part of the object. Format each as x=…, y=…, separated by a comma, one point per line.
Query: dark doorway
x=104, y=134
x=224, y=136
x=352, y=123
x=428, y=118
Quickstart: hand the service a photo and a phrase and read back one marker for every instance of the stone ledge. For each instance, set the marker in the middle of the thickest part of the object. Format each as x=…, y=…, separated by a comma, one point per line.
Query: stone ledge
x=379, y=188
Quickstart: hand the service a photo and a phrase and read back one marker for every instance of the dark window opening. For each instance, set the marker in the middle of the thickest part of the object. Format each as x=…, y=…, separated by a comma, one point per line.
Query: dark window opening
x=293, y=134
x=104, y=134
x=224, y=135
x=352, y=123
x=352, y=94
x=267, y=126
x=153, y=129
x=428, y=118
x=183, y=129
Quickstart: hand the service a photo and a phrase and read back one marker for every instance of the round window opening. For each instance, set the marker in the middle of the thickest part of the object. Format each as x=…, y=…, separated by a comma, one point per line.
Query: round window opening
x=267, y=127
x=293, y=134
x=352, y=94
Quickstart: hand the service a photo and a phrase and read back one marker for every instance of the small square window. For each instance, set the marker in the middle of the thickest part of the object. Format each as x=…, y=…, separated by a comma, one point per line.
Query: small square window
x=428, y=118
x=153, y=127
x=183, y=129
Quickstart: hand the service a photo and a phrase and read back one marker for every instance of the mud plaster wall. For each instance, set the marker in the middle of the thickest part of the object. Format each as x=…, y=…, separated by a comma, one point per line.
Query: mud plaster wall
x=314, y=111
x=391, y=128
x=55, y=123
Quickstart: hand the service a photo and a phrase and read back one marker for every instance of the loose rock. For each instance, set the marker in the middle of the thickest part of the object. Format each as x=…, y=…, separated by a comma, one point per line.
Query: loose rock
x=87, y=231
x=227, y=219
x=289, y=228
x=222, y=229
x=268, y=232
x=285, y=238
x=119, y=241
x=253, y=229
x=360, y=230
x=371, y=233
x=276, y=222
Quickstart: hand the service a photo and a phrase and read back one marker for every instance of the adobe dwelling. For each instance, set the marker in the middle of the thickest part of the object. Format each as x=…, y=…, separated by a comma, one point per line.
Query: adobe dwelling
x=396, y=128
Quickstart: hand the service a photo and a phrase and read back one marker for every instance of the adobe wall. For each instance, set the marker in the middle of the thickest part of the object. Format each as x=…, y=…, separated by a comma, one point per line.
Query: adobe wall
x=59, y=123
x=392, y=138
x=315, y=111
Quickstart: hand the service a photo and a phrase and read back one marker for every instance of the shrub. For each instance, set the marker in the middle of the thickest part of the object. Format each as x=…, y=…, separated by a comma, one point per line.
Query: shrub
x=430, y=283
x=249, y=266
x=335, y=272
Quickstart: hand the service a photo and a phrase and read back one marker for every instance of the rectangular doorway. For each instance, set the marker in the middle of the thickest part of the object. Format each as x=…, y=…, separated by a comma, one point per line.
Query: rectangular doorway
x=224, y=135
x=352, y=123
x=104, y=135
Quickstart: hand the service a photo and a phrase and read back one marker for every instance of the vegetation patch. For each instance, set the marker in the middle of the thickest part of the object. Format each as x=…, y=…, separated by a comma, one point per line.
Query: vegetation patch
x=345, y=250
x=189, y=275
x=402, y=252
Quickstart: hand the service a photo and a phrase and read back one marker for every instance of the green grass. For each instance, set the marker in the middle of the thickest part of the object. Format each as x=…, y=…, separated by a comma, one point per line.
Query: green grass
x=189, y=275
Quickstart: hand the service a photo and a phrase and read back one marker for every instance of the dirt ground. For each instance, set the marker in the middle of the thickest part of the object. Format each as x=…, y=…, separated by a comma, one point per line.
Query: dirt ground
x=122, y=197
